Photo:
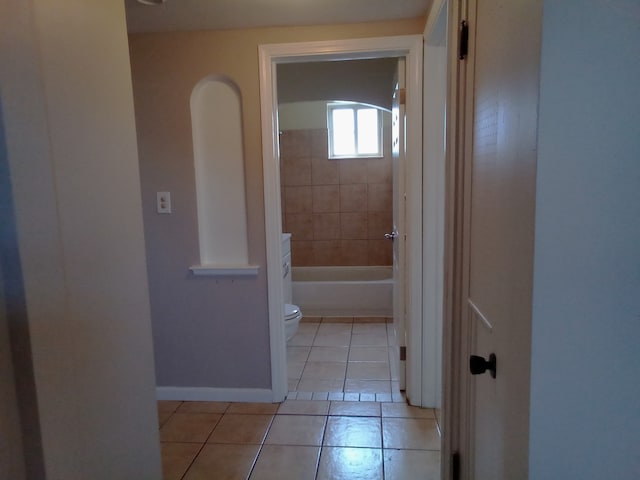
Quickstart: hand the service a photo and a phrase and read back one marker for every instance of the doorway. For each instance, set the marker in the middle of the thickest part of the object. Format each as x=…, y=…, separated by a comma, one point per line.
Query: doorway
x=409, y=47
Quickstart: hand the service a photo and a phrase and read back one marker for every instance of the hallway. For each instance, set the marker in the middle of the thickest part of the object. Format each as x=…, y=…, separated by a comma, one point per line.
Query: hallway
x=298, y=440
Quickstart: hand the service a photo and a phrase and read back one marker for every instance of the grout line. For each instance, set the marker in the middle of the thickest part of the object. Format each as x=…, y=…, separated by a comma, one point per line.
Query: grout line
x=202, y=446
x=262, y=443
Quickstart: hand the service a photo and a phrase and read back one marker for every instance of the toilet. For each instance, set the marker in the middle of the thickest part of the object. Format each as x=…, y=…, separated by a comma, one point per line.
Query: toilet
x=292, y=317
x=292, y=313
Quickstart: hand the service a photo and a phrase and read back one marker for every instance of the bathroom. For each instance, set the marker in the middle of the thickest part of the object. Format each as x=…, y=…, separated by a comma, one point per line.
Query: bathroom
x=336, y=210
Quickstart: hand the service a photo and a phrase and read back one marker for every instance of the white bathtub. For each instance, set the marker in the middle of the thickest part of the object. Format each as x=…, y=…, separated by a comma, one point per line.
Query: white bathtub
x=344, y=291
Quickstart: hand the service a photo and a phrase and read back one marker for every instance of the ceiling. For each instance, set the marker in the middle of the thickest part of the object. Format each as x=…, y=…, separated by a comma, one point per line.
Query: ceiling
x=176, y=15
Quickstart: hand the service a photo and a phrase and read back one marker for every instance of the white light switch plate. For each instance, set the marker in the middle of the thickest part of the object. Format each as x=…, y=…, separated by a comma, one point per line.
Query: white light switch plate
x=163, y=202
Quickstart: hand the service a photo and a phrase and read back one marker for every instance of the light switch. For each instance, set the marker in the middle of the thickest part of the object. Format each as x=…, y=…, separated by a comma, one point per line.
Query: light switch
x=164, y=202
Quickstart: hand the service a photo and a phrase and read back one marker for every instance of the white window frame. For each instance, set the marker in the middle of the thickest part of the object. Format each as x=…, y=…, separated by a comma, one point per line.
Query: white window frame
x=355, y=106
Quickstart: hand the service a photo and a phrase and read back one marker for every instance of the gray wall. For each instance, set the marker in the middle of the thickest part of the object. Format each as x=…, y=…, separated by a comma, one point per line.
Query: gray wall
x=585, y=387
x=79, y=286
x=208, y=332
x=368, y=81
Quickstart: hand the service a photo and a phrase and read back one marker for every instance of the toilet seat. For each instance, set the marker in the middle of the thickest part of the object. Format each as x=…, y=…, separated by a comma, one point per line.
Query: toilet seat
x=291, y=311
x=292, y=316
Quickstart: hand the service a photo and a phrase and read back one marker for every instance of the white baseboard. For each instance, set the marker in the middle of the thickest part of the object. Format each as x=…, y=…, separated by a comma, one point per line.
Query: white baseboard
x=208, y=394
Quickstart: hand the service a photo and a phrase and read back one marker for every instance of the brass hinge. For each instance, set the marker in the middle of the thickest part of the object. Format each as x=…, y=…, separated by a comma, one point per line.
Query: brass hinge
x=403, y=354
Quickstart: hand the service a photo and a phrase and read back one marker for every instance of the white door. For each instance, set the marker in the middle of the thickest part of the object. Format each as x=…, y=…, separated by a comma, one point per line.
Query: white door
x=500, y=165
x=398, y=235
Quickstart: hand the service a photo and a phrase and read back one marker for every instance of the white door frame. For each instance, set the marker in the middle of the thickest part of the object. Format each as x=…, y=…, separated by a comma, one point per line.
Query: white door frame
x=410, y=47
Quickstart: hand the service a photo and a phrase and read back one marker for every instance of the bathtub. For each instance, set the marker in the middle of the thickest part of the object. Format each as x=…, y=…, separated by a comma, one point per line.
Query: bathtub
x=344, y=291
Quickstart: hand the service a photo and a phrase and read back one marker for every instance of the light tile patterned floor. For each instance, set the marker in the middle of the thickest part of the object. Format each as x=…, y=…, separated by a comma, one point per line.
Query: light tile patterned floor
x=298, y=440
x=344, y=418
x=343, y=358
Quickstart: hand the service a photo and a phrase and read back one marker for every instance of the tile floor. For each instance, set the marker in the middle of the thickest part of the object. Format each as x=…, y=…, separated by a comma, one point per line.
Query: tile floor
x=343, y=358
x=344, y=418
x=298, y=440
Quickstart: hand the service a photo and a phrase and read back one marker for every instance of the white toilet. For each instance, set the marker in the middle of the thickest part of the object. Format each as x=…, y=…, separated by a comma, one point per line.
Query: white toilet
x=292, y=313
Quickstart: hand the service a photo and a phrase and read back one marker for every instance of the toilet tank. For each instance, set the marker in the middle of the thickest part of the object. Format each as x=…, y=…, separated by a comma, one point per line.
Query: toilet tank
x=287, y=286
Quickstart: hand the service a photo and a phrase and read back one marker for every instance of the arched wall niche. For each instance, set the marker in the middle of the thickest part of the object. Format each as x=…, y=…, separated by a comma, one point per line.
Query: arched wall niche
x=216, y=119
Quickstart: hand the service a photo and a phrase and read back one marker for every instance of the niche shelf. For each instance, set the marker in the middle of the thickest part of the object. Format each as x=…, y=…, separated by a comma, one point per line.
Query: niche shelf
x=216, y=119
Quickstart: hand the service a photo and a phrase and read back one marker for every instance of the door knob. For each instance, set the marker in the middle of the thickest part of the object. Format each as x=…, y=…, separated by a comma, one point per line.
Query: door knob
x=479, y=365
x=390, y=236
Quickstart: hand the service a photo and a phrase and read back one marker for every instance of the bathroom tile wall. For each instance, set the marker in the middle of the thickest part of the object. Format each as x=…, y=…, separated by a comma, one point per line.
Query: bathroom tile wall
x=336, y=210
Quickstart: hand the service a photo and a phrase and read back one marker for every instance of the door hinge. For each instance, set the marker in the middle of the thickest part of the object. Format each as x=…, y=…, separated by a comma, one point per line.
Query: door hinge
x=403, y=354
x=463, y=44
x=455, y=466
x=402, y=96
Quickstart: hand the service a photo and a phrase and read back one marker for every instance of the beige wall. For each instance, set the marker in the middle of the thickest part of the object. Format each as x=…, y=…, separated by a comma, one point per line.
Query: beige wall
x=80, y=288
x=208, y=332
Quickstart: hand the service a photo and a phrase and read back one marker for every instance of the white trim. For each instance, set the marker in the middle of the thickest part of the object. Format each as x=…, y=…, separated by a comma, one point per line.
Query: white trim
x=208, y=394
x=225, y=270
x=434, y=204
x=273, y=224
x=409, y=46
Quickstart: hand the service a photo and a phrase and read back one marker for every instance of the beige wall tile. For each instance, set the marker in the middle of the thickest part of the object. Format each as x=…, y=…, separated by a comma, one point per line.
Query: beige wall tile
x=324, y=171
x=326, y=226
x=352, y=170
x=326, y=198
x=380, y=252
x=300, y=225
x=302, y=253
x=326, y=252
x=354, y=252
x=353, y=197
x=298, y=172
x=319, y=143
x=379, y=223
x=353, y=225
x=337, y=187
x=298, y=200
x=379, y=197
x=379, y=170
x=295, y=143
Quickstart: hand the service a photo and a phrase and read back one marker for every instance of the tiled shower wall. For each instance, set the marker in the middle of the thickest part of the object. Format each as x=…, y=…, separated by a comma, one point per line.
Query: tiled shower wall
x=337, y=211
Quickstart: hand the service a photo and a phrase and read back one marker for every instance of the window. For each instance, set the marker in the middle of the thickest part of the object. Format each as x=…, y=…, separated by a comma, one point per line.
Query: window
x=355, y=130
